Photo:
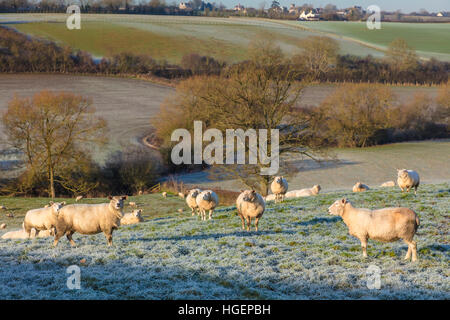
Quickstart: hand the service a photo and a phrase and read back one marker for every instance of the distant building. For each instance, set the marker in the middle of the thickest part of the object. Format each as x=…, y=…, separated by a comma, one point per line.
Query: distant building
x=293, y=9
x=439, y=14
x=239, y=7
x=312, y=15
x=185, y=6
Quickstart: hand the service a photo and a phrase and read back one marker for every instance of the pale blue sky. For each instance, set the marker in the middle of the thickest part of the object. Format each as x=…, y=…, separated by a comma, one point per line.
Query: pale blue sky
x=405, y=6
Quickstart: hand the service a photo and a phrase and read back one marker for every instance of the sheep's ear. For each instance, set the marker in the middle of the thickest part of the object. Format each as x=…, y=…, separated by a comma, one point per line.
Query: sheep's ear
x=110, y=197
x=344, y=201
x=63, y=203
x=124, y=197
x=253, y=191
x=51, y=203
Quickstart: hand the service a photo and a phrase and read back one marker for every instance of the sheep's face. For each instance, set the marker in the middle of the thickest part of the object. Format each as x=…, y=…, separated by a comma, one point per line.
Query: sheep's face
x=117, y=201
x=279, y=180
x=194, y=193
x=337, y=208
x=249, y=196
x=207, y=196
x=137, y=213
x=56, y=206
x=317, y=188
x=403, y=174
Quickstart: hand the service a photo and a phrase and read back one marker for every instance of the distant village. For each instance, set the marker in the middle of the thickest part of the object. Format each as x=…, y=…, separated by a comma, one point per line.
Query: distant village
x=305, y=12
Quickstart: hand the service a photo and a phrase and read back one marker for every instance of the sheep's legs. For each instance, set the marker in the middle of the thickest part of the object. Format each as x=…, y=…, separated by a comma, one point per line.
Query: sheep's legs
x=210, y=214
x=243, y=222
x=364, y=247
x=412, y=249
x=256, y=223
x=58, y=235
x=69, y=237
x=249, y=221
x=193, y=211
x=108, y=236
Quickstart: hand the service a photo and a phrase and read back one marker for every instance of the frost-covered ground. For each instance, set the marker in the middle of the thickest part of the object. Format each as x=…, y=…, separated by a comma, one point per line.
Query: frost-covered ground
x=300, y=252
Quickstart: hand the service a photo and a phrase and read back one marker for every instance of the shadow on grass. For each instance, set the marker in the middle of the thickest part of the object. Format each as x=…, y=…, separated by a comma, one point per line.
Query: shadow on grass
x=319, y=220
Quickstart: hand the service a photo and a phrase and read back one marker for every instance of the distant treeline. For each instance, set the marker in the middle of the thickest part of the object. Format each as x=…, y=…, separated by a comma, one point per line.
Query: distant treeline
x=21, y=53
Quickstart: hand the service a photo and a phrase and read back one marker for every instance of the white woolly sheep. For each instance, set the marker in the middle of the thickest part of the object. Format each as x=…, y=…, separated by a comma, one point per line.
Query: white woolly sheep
x=387, y=225
x=90, y=219
x=132, y=218
x=388, y=184
x=2, y=207
x=3, y=226
x=181, y=195
x=250, y=205
x=43, y=218
x=407, y=179
x=270, y=197
x=164, y=194
x=132, y=204
x=304, y=192
x=22, y=234
x=190, y=200
x=359, y=187
x=279, y=188
x=78, y=198
x=207, y=200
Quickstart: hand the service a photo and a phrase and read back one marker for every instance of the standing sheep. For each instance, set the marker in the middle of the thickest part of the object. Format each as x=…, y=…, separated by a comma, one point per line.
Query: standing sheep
x=359, y=187
x=207, y=200
x=250, y=205
x=387, y=225
x=304, y=192
x=279, y=188
x=78, y=198
x=43, y=218
x=90, y=219
x=181, y=195
x=190, y=200
x=132, y=218
x=407, y=179
x=164, y=194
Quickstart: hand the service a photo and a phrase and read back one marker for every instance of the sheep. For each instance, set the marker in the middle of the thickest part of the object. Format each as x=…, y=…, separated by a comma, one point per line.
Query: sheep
x=190, y=200
x=270, y=197
x=388, y=184
x=132, y=204
x=359, y=187
x=132, y=218
x=164, y=194
x=250, y=205
x=140, y=192
x=279, y=188
x=43, y=218
x=3, y=226
x=207, y=200
x=181, y=195
x=2, y=207
x=408, y=179
x=387, y=225
x=22, y=234
x=304, y=192
x=90, y=219
x=78, y=198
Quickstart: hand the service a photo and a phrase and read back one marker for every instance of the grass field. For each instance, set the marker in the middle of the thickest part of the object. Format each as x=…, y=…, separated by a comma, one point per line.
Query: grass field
x=300, y=252
x=170, y=37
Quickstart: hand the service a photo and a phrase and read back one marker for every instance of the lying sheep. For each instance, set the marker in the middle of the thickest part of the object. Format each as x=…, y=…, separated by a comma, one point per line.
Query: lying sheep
x=90, y=219
x=279, y=188
x=250, y=205
x=132, y=218
x=132, y=204
x=207, y=200
x=164, y=194
x=78, y=198
x=407, y=179
x=181, y=195
x=22, y=234
x=2, y=207
x=43, y=218
x=359, y=187
x=388, y=184
x=387, y=225
x=190, y=200
x=270, y=197
x=3, y=226
x=304, y=192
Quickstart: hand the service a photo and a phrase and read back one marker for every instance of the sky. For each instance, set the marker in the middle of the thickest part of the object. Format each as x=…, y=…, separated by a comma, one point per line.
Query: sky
x=405, y=6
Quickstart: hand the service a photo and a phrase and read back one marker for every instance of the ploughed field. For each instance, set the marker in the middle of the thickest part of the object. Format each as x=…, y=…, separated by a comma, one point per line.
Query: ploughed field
x=300, y=252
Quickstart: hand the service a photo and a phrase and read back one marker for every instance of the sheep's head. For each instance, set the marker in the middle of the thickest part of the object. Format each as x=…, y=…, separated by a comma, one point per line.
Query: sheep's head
x=117, y=201
x=137, y=213
x=279, y=179
x=207, y=195
x=402, y=173
x=358, y=185
x=337, y=208
x=250, y=196
x=56, y=206
x=194, y=192
x=317, y=188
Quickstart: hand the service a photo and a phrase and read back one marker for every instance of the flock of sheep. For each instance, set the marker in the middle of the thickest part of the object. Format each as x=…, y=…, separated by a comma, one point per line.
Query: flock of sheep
x=388, y=224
